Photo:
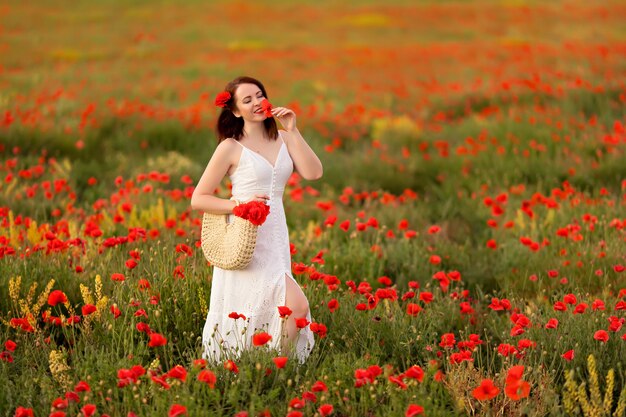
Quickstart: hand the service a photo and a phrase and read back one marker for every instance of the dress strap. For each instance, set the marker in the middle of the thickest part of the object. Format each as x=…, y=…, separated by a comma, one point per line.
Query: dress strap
x=238, y=142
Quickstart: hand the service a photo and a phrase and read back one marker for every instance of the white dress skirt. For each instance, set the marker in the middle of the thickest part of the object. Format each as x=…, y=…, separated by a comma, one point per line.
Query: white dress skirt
x=257, y=291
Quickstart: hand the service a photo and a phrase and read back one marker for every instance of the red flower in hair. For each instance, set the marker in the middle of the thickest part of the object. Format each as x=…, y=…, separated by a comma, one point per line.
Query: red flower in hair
x=222, y=98
x=266, y=106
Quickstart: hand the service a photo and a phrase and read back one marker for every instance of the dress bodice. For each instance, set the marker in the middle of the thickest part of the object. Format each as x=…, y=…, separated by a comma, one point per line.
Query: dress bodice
x=254, y=174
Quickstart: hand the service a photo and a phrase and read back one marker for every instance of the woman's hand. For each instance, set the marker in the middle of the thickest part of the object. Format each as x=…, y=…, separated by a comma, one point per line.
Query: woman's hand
x=258, y=197
x=286, y=117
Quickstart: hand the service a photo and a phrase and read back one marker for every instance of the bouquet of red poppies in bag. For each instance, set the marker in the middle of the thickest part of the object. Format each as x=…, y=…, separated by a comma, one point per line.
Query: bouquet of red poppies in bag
x=254, y=211
x=230, y=245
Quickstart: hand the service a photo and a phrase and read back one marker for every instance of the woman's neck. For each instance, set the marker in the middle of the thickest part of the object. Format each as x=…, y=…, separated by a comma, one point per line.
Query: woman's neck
x=254, y=130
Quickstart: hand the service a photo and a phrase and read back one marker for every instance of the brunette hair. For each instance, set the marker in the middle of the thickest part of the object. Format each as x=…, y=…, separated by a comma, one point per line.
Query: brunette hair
x=231, y=126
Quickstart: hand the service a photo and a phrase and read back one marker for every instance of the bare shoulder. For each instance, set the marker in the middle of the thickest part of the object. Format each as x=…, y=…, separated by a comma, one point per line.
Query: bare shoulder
x=227, y=149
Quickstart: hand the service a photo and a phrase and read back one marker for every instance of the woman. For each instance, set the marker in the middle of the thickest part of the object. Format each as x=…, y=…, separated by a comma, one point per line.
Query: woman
x=259, y=160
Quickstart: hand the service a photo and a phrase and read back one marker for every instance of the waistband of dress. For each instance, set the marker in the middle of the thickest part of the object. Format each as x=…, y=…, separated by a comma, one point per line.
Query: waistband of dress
x=248, y=194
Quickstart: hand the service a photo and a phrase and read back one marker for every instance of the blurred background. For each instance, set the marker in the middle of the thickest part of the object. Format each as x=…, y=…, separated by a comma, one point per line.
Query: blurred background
x=154, y=57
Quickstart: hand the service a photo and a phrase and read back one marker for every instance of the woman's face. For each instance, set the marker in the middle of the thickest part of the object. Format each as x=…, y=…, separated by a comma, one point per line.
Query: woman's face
x=248, y=99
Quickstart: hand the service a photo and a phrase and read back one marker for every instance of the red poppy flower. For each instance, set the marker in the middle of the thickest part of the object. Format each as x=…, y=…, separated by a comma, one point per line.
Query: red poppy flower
x=398, y=381
x=59, y=403
x=200, y=363
x=302, y=322
x=515, y=373
x=160, y=380
x=118, y=277
x=297, y=403
x=143, y=328
x=222, y=99
x=280, y=361
x=408, y=295
x=325, y=410
x=88, y=410
x=10, y=345
x=72, y=396
x=284, y=311
x=569, y=355
x=439, y=376
x=177, y=410
x=426, y=297
x=23, y=412
x=414, y=410
x=156, y=340
x=486, y=390
x=234, y=315
x=506, y=349
x=320, y=329
x=517, y=390
x=499, y=305
x=260, y=339
x=569, y=299
x=454, y=275
x=333, y=305
x=87, y=309
x=319, y=386
x=601, y=335
x=266, y=106
x=207, y=377
x=56, y=297
x=415, y=372
x=615, y=324
x=231, y=366
x=115, y=311
x=413, y=309
x=552, y=324
x=82, y=386
x=447, y=340
x=131, y=263
x=178, y=372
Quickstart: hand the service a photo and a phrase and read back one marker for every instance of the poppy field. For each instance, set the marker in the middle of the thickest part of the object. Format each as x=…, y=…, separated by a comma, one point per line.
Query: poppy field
x=464, y=252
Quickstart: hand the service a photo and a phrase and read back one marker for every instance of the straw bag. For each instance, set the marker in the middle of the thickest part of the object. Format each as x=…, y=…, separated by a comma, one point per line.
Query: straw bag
x=228, y=245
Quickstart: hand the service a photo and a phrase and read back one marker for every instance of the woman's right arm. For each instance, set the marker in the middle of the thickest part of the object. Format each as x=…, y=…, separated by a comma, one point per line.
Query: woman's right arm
x=203, y=197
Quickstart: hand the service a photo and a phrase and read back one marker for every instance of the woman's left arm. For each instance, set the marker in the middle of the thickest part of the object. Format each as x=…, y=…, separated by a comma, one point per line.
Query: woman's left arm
x=306, y=162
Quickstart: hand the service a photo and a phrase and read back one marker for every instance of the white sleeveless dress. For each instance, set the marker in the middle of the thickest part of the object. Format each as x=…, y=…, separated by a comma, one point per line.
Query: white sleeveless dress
x=257, y=291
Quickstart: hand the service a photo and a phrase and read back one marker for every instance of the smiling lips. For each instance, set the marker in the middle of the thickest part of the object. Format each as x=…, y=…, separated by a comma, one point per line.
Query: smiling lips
x=266, y=107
